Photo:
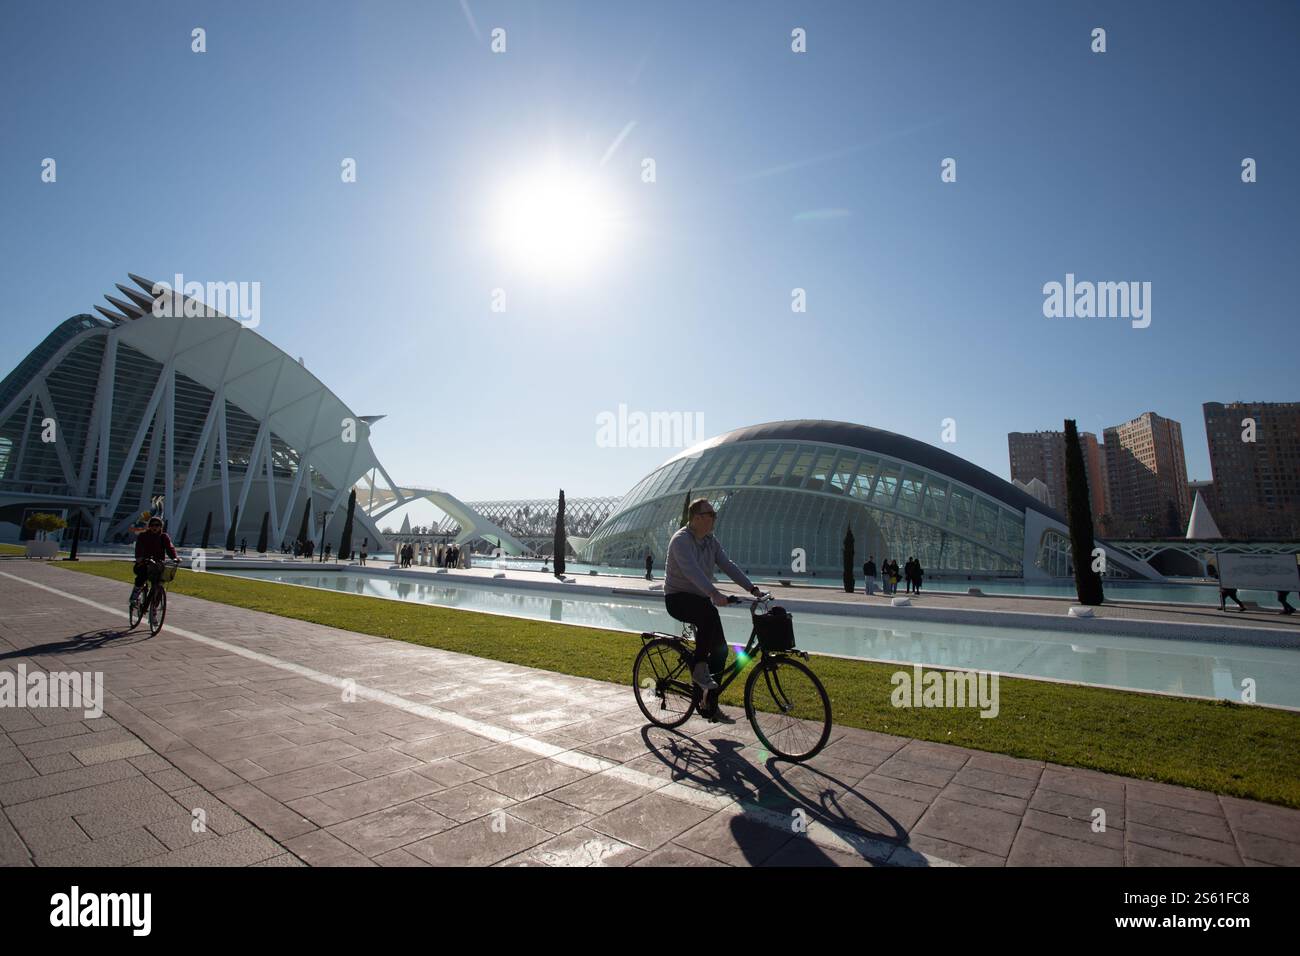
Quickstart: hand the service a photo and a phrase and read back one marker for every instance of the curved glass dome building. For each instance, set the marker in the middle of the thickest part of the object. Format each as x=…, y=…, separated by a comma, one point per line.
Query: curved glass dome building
x=798, y=484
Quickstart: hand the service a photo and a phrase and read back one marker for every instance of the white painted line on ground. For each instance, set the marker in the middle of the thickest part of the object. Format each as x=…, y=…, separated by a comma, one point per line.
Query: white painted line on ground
x=830, y=836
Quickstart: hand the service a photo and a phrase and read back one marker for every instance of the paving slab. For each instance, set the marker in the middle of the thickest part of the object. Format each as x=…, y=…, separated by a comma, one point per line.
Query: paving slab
x=447, y=759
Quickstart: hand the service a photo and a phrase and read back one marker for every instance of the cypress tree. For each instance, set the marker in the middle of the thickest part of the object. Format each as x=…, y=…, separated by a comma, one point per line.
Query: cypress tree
x=207, y=532
x=560, y=538
x=850, y=573
x=345, y=542
x=76, y=537
x=686, y=511
x=303, y=529
x=185, y=530
x=262, y=535
x=230, y=535
x=1087, y=582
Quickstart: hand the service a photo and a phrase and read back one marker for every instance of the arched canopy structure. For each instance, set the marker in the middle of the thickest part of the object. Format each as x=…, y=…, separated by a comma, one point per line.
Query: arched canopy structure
x=199, y=410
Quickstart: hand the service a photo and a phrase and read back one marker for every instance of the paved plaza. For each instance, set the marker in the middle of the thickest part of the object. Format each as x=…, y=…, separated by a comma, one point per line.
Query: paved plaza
x=241, y=738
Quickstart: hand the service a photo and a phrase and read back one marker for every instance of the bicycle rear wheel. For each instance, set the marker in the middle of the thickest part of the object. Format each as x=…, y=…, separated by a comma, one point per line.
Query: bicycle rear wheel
x=157, y=612
x=788, y=708
x=134, y=613
x=661, y=677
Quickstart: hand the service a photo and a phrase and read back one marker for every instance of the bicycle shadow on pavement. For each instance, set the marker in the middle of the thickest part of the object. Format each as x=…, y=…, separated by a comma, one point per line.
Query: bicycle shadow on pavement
x=769, y=796
x=85, y=641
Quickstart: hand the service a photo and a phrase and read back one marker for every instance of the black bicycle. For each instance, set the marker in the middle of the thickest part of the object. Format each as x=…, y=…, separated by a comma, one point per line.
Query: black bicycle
x=152, y=599
x=785, y=702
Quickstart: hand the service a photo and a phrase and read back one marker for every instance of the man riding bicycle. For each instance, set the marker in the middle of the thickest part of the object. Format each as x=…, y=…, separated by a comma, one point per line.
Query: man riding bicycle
x=151, y=547
x=690, y=595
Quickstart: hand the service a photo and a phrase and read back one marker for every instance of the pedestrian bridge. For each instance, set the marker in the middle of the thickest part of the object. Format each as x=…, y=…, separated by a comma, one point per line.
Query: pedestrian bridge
x=378, y=499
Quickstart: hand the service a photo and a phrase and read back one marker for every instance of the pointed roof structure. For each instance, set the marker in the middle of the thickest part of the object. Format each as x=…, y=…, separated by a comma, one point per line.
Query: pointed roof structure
x=1201, y=524
x=406, y=525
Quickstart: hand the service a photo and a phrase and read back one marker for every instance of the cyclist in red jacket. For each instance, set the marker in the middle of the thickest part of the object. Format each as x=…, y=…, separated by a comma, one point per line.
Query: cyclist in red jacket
x=151, y=547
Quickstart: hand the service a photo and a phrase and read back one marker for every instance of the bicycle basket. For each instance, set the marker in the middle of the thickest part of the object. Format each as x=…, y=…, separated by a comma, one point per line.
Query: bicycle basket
x=775, y=630
x=168, y=572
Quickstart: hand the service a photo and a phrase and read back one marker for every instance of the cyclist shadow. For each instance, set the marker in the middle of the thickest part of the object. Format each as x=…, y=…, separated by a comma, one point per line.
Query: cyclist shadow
x=80, y=643
x=771, y=800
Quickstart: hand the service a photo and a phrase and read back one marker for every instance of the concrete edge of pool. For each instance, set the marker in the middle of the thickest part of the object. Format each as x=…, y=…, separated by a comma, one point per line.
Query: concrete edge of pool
x=1252, y=634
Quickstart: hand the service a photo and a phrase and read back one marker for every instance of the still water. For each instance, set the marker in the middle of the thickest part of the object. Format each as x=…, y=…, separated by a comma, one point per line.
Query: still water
x=1182, y=667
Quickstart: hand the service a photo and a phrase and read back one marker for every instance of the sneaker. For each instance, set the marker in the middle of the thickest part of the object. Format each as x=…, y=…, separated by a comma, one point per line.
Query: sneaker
x=702, y=677
x=719, y=717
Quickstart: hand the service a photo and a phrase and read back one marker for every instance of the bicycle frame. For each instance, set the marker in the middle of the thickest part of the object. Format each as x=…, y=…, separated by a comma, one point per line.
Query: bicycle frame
x=738, y=665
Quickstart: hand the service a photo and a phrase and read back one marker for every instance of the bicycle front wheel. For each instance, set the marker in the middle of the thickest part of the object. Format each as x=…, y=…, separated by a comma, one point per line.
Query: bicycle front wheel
x=661, y=677
x=158, y=612
x=788, y=708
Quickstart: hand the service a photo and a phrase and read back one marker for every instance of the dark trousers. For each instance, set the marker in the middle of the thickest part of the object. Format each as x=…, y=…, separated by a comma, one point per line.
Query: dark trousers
x=1225, y=593
x=146, y=571
x=710, y=641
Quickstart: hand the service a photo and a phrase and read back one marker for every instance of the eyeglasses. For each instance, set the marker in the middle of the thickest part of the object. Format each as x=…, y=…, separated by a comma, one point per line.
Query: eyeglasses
x=707, y=514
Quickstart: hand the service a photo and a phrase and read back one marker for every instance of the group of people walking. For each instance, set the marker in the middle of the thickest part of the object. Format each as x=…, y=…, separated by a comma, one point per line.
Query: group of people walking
x=911, y=574
x=1230, y=594
x=441, y=556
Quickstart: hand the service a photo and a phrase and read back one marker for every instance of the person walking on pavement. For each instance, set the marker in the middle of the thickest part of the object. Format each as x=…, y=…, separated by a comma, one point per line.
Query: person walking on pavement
x=1224, y=593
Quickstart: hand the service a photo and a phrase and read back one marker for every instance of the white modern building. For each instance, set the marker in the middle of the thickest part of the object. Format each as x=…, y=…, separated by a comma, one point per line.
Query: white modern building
x=108, y=414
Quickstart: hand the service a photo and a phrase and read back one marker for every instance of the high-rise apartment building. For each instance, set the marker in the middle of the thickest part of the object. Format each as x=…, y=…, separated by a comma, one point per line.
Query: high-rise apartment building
x=1041, y=455
x=1146, y=477
x=1255, y=458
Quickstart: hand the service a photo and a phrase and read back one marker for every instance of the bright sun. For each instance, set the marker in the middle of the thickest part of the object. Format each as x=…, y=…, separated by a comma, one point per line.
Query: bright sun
x=554, y=222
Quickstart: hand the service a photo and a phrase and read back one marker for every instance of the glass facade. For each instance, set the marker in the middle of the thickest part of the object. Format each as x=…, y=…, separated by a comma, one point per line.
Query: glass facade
x=775, y=496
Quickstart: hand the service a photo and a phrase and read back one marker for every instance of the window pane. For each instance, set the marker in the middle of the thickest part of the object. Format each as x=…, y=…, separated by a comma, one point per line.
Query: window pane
x=822, y=467
x=959, y=511
x=802, y=465
x=861, y=486
x=759, y=474
x=746, y=465
x=909, y=499
x=936, y=499
x=986, y=519
x=886, y=485
x=783, y=461
x=842, y=477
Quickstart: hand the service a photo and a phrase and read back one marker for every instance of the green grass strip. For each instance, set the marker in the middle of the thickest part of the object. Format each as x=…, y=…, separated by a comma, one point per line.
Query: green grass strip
x=1219, y=746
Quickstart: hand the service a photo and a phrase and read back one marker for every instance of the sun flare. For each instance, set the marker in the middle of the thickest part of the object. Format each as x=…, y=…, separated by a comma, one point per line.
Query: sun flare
x=554, y=221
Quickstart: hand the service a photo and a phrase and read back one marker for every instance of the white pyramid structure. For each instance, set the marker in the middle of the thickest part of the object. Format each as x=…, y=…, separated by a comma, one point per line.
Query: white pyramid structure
x=406, y=525
x=1201, y=524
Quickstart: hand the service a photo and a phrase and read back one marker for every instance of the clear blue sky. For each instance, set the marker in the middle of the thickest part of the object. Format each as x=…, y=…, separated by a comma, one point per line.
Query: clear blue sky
x=774, y=171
